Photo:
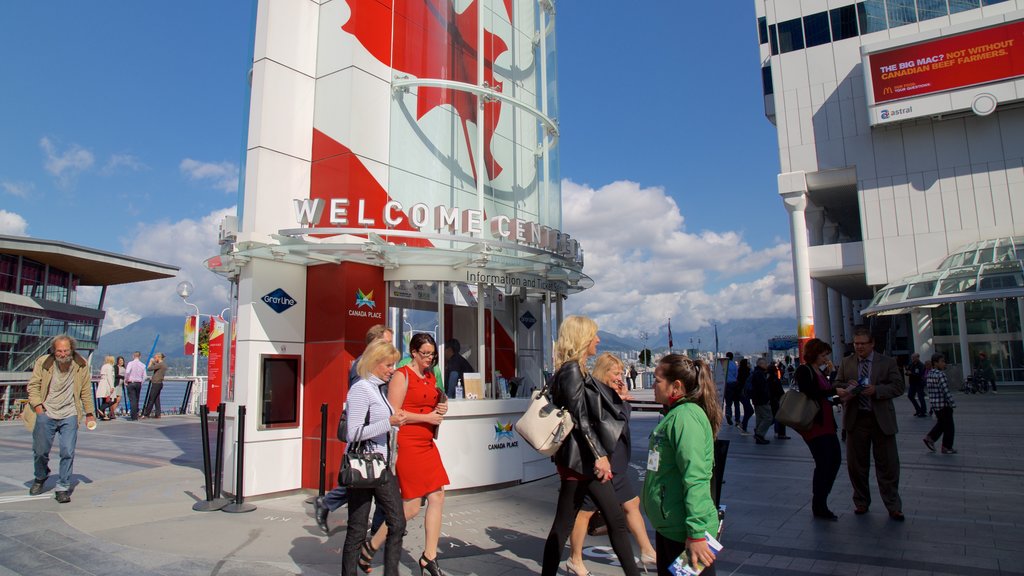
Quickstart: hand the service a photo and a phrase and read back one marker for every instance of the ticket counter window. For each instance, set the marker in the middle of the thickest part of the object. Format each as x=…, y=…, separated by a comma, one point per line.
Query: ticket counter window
x=279, y=392
x=417, y=307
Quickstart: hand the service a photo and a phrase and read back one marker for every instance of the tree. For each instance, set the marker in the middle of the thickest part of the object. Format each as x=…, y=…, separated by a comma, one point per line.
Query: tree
x=204, y=339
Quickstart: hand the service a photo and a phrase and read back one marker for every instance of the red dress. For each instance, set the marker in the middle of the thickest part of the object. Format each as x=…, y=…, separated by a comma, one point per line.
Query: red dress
x=419, y=466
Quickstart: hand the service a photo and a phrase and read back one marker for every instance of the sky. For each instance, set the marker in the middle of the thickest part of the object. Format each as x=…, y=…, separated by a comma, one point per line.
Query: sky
x=122, y=128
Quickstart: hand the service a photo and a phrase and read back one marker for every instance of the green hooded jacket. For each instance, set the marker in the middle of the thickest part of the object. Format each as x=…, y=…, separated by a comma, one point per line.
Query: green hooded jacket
x=677, y=487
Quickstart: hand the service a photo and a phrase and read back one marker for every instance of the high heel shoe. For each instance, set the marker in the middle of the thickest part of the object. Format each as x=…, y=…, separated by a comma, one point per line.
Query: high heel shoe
x=573, y=569
x=428, y=566
x=646, y=559
x=366, y=553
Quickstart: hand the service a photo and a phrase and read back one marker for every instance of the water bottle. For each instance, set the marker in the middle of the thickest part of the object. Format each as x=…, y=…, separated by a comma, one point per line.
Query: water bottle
x=459, y=395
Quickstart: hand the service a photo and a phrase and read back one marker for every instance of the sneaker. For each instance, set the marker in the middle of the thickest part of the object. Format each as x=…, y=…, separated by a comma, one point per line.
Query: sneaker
x=63, y=497
x=37, y=487
x=929, y=443
x=743, y=431
x=761, y=439
x=948, y=450
x=781, y=437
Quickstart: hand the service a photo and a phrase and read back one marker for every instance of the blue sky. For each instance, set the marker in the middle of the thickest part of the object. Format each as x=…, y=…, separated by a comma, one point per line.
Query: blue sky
x=123, y=129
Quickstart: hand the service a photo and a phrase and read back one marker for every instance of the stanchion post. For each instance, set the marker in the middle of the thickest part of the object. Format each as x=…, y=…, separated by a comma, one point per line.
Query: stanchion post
x=239, y=505
x=323, y=448
x=218, y=471
x=210, y=504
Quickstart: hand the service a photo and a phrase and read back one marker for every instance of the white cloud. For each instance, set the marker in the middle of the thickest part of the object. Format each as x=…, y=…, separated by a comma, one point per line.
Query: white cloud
x=221, y=176
x=119, y=161
x=66, y=166
x=12, y=224
x=19, y=189
x=648, y=267
x=186, y=244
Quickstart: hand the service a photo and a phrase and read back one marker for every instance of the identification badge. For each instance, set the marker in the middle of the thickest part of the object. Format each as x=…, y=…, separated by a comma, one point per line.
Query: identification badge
x=653, y=460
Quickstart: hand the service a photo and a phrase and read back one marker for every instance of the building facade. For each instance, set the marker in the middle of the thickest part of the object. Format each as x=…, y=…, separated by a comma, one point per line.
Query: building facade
x=901, y=143
x=401, y=168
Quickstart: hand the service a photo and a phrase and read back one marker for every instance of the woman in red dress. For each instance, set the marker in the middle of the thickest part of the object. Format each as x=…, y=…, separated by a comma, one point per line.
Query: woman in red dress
x=421, y=475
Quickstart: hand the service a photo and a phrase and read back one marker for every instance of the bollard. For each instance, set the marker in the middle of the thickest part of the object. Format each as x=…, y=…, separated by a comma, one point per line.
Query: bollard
x=323, y=447
x=208, y=505
x=239, y=505
x=218, y=473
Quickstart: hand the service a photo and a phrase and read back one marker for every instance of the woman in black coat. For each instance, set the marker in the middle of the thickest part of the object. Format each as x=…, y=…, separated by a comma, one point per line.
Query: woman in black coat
x=582, y=461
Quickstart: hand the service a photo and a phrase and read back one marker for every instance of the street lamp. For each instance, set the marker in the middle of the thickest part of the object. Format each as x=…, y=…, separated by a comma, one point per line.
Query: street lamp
x=184, y=290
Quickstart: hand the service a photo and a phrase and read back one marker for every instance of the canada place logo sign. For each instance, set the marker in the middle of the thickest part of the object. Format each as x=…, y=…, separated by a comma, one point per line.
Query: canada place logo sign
x=279, y=300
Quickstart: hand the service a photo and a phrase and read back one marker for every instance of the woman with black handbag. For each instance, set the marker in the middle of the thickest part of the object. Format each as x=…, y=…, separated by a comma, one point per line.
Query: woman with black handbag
x=582, y=461
x=812, y=377
x=371, y=420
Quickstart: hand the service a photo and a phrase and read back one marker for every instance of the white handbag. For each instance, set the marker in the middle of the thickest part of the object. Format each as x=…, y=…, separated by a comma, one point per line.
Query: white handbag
x=544, y=425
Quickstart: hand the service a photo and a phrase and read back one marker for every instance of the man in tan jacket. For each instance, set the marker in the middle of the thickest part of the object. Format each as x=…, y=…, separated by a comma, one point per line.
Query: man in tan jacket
x=60, y=393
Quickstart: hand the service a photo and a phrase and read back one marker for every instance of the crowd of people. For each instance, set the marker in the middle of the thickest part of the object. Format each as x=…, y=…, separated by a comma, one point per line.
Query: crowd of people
x=395, y=406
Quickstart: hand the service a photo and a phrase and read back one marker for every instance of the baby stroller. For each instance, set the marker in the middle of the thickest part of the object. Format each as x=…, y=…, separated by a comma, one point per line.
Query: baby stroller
x=976, y=383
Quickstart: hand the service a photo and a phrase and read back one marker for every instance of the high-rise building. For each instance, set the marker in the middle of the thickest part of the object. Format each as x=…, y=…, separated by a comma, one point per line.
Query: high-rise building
x=901, y=145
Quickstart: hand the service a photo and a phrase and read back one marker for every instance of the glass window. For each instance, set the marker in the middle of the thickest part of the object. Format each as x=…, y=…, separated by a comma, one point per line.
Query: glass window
x=791, y=35
x=901, y=12
x=816, y=30
x=962, y=5
x=8, y=273
x=894, y=295
x=958, y=282
x=928, y=9
x=773, y=39
x=871, y=16
x=56, y=285
x=762, y=30
x=921, y=289
x=944, y=321
x=844, y=22
x=990, y=2
x=31, y=278
x=766, y=81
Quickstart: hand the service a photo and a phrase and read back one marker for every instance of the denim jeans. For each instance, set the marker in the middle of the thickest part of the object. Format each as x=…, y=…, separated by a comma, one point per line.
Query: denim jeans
x=42, y=441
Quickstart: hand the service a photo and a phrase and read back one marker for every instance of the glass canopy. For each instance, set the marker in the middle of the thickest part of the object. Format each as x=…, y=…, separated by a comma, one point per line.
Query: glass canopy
x=978, y=271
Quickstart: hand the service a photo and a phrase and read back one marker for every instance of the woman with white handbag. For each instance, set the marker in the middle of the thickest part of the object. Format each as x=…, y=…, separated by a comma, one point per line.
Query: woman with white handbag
x=812, y=379
x=582, y=460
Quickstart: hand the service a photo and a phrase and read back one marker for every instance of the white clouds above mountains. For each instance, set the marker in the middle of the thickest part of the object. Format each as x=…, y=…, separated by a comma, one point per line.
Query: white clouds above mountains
x=647, y=266
x=19, y=189
x=185, y=243
x=219, y=175
x=12, y=224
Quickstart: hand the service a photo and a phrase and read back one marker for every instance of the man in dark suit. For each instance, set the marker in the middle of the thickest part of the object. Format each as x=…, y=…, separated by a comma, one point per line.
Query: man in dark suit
x=867, y=382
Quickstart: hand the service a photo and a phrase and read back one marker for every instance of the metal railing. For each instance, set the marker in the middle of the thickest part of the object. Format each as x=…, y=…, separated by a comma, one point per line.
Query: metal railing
x=180, y=395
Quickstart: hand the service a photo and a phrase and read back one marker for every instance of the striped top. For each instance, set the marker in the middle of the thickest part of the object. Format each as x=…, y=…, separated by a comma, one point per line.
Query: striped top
x=368, y=395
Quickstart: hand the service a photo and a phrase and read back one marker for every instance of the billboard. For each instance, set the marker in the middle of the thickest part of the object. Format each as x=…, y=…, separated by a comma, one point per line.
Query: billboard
x=968, y=59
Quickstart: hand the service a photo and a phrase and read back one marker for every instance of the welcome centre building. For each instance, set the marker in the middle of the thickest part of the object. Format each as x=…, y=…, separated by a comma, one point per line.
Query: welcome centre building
x=901, y=144
x=401, y=168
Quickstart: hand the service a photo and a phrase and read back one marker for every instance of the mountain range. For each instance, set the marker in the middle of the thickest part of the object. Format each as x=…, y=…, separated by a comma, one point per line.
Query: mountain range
x=166, y=334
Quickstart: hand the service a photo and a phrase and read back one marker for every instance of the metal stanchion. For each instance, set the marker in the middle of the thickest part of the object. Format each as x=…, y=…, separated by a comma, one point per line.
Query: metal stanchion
x=208, y=505
x=239, y=505
x=185, y=398
x=218, y=471
x=323, y=447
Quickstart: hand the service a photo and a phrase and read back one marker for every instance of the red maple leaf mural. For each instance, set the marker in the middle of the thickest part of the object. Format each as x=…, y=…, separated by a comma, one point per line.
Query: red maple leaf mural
x=432, y=40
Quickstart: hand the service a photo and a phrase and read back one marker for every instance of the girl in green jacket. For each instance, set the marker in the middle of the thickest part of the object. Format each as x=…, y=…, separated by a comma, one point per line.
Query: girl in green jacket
x=677, y=487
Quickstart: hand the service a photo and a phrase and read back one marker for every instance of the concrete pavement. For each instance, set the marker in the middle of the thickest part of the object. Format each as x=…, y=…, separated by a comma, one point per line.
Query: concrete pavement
x=136, y=482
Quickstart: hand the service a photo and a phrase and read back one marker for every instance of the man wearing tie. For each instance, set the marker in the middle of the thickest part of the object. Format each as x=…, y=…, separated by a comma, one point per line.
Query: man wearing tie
x=867, y=382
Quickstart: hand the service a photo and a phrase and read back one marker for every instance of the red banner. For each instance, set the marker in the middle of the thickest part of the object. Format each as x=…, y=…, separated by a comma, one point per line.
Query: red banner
x=190, y=335
x=215, y=363
x=967, y=59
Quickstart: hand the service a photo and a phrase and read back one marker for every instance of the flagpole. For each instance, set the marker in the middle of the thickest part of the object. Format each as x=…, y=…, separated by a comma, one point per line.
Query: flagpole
x=670, y=335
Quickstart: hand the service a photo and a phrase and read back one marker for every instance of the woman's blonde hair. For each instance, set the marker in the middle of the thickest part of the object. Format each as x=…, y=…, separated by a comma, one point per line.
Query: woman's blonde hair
x=108, y=359
x=698, y=384
x=604, y=364
x=378, y=351
x=574, y=338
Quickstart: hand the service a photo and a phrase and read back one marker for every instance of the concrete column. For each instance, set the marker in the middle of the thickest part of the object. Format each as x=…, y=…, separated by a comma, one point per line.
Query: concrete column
x=793, y=189
x=921, y=325
x=961, y=328
x=835, y=327
x=819, y=294
x=847, y=319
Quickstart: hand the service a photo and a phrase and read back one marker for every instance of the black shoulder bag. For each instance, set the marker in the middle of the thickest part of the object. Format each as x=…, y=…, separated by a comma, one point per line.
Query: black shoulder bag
x=361, y=467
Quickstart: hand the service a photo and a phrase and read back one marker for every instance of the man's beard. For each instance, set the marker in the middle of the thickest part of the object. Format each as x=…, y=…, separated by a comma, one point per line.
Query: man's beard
x=63, y=363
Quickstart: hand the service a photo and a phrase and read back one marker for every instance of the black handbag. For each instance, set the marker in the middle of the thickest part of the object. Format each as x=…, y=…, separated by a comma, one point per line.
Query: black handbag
x=343, y=423
x=361, y=466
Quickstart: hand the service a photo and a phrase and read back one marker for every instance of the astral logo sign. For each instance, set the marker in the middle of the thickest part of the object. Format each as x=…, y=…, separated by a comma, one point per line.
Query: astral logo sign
x=279, y=300
x=887, y=114
x=503, y=437
x=365, y=300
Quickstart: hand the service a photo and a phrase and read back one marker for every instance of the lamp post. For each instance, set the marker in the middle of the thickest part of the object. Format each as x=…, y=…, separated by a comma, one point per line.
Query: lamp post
x=185, y=290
